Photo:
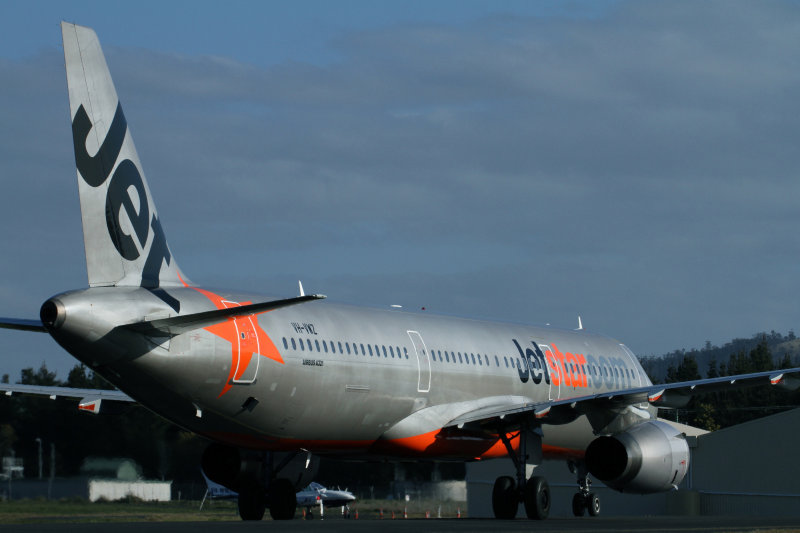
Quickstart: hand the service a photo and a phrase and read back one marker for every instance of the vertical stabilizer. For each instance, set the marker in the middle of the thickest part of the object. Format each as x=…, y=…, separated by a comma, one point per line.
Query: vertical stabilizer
x=124, y=242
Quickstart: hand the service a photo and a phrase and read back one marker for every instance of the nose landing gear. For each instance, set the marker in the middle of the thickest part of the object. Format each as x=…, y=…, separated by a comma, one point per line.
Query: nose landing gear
x=584, y=500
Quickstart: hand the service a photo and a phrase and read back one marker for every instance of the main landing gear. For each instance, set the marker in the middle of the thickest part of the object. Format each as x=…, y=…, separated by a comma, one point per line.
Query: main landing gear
x=584, y=500
x=279, y=496
x=534, y=493
x=260, y=483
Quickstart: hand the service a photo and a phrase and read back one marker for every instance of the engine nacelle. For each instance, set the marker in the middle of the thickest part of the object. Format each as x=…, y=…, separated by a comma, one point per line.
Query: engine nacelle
x=650, y=457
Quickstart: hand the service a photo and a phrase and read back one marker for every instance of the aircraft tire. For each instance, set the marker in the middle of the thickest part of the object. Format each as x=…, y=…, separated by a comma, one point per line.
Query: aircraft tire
x=504, y=498
x=282, y=499
x=579, y=502
x=252, y=502
x=593, y=503
x=537, y=498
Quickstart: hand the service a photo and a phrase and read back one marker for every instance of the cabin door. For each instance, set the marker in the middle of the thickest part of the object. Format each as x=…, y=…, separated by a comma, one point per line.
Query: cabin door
x=423, y=362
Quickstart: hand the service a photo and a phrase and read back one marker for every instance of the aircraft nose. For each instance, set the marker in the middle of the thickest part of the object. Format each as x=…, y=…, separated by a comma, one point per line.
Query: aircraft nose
x=53, y=313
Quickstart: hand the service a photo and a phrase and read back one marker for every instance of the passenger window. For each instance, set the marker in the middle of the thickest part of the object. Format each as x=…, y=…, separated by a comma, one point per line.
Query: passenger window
x=325, y=345
x=285, y=344
x=473, y=357
x=294, y=346
x=384, y=351
x=459, y=358
x=405, y=351
x=496, y=361
x=370, y=349
x=302, y=344
x=347, y=347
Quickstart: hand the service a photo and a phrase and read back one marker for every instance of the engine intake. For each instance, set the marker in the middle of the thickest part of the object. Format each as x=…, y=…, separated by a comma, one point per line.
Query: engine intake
x=650, y=457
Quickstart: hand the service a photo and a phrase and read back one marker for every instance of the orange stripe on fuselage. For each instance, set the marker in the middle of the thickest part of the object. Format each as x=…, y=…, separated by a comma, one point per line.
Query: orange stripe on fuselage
x=446, y=444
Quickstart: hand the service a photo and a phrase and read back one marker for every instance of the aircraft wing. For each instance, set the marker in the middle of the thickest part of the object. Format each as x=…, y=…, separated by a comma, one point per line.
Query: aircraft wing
x=89, y=400
x=22, y=323
x=602, y=406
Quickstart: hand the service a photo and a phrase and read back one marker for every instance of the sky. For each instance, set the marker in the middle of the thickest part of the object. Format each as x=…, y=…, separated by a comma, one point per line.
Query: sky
x=631, y=162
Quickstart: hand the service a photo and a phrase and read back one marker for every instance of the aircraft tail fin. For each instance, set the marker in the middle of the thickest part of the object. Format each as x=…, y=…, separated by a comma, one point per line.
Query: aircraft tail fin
x=123, y=239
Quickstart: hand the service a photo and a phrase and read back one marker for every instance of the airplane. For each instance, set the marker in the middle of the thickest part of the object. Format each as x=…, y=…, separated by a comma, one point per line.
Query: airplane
x=315, y=494
x=277, y=382
x=215, y=491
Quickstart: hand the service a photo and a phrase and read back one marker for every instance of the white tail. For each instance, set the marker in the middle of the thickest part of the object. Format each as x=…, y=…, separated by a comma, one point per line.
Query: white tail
x=123, y=238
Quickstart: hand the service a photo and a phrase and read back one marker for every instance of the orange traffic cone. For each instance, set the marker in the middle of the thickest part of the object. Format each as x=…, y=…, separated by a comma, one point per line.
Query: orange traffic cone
x=458, y=514
x=392, y=515
x=427, y=514
x=356, y=518
x=381, y=514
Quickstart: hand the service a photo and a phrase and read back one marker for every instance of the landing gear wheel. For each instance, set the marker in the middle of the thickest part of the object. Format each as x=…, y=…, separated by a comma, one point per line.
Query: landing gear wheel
x=252, y=501
x=282, y=499
x=593, y=503
x=578, y=504
x=504, y=498
x=537, y=498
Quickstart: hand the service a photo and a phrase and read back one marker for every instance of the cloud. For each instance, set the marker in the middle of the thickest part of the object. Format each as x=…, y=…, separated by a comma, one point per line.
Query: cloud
x=637, y=167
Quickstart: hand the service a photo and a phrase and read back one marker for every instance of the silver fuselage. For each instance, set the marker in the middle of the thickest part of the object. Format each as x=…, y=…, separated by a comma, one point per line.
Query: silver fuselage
x=340, y=379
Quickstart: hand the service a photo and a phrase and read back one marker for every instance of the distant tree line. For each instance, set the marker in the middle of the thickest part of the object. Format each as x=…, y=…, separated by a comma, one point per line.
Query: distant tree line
x=163, y=450
x=723, y=409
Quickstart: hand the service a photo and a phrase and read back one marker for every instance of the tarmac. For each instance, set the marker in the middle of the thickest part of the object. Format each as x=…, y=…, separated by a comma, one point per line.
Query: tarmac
x=576, y=525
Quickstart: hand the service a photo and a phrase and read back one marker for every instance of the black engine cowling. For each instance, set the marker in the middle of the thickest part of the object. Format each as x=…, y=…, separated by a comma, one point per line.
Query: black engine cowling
x=650, y=457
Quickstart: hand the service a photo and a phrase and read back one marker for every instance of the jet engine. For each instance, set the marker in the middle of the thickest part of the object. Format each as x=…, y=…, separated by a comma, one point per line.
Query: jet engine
x=649, y=457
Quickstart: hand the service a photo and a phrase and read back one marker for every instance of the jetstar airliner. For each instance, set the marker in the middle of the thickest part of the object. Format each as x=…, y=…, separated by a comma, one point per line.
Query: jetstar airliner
x=276, y=382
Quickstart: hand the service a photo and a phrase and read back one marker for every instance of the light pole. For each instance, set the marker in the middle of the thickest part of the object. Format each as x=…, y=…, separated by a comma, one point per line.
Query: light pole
x=39, y=442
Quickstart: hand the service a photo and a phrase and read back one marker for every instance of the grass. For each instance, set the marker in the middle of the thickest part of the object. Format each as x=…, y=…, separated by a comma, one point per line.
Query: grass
x=76, y=510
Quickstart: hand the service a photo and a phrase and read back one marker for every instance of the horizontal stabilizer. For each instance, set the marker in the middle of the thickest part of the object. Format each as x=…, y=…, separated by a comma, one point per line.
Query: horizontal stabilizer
x=176, y=325
x=24, y=324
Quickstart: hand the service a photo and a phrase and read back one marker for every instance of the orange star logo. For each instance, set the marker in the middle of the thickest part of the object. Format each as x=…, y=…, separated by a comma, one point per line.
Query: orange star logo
x=246, y=337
